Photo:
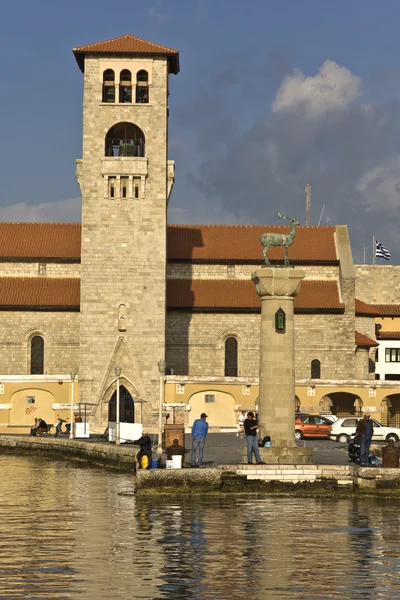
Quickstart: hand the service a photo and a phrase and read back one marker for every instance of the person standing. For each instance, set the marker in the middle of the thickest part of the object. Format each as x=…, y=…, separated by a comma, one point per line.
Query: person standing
x=365, y=431
x=199, y=434
x=241, y=420
x=250, y=430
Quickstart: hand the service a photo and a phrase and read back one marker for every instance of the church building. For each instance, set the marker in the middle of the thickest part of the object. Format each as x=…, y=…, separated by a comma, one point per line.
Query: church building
x=169, y=312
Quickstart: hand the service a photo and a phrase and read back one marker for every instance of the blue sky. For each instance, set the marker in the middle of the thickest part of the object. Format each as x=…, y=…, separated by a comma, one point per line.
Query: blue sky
x=269, y=92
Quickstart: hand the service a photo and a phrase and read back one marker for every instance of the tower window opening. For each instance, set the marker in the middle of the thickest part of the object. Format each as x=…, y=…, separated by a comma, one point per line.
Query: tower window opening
x=125, y=139
x=136, y=190
x=125, y=87
x=111, y=187
x=124, y=187
x=109, y=86
x=142, y=87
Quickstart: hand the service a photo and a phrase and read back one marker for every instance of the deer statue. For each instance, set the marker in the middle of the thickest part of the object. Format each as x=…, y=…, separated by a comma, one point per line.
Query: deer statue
x=279, y=239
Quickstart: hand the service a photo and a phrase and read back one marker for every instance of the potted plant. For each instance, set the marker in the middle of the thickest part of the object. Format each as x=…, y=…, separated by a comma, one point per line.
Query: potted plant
x=126, y=149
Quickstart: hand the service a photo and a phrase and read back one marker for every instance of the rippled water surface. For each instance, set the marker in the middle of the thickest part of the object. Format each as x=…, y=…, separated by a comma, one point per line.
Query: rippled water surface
x=74, y=532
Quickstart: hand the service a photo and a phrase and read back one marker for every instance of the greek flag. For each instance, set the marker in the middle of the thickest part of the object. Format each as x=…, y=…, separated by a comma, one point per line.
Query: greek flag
x=381, y=251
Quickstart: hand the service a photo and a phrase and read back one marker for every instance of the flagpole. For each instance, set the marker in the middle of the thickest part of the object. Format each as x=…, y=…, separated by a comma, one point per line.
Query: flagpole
x=365, y=250
x=373, y=250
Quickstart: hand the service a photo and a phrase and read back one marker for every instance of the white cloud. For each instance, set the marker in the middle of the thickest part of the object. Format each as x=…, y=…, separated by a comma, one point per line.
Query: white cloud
x=157, y=14
x=380, y=187
x=332, y=88
x=50, y=212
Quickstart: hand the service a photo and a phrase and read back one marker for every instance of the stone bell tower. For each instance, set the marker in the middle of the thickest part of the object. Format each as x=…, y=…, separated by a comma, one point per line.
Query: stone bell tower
x=125, y=179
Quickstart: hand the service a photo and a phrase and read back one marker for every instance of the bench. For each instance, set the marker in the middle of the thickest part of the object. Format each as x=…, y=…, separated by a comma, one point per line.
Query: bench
x=40, y=432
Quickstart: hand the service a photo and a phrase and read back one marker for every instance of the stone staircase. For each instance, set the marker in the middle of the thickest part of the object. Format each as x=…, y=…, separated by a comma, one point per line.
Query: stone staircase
x=341, y=474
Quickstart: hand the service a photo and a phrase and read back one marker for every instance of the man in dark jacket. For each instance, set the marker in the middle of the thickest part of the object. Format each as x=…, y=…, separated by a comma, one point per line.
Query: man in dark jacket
x=250, y=430
x=175, y=450
x=145, y=450
x=365, y=431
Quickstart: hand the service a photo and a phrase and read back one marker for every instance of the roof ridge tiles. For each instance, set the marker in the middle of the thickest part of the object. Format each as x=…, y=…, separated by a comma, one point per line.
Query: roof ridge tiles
x=119, y=37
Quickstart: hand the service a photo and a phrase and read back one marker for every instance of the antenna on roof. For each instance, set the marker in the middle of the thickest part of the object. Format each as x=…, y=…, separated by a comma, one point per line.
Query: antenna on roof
x=320, y=216
x=308, y=202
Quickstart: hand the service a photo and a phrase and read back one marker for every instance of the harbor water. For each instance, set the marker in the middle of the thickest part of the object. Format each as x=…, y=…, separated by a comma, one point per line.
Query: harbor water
x=70, y=531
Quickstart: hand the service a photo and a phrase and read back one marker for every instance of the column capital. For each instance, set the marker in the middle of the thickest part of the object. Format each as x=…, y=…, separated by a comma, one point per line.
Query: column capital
x=277, y=282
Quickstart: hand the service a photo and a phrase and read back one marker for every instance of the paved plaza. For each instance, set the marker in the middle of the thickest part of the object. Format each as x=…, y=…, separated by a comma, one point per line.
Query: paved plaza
x=224, y=449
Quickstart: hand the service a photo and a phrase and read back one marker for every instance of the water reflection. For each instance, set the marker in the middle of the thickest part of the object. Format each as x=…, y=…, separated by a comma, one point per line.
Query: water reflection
x=71, y=532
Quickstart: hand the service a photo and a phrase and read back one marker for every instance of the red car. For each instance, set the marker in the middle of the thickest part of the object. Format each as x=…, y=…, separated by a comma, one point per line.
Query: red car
x=311, y=426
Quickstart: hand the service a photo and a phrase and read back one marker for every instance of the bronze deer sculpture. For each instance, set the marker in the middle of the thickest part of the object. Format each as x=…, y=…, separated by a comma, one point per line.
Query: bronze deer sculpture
x=279, y=239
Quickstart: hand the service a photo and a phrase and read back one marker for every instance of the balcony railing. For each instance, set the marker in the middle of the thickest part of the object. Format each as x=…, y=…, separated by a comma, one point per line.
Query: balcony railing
x=127, y=147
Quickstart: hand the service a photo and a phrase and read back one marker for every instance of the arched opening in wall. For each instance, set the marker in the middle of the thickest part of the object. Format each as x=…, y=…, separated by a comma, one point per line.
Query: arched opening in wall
x=125, y=86
x=297, y=404
x=108, y=86
x=30, y=403
x=315, y=369
x=325, y=405
x=345, y=404
x=37, y=355
x=142, y=87
x=219, y=406
x=391, y=416
x=126, y=407
x=125, y=139
x=231, y=357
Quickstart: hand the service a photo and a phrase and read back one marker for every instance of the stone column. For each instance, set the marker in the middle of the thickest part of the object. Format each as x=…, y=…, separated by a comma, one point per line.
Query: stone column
x=277, y=288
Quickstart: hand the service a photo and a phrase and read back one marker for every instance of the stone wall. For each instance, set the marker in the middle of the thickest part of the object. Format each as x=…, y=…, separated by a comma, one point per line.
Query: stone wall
x=35, y=268
x=177, y=270
x=378, y=284
x=109, y=455
x=60, y=331
x=195, y=343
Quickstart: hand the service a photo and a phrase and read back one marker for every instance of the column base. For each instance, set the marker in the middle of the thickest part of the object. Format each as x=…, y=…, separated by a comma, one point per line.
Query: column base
x=282, y=455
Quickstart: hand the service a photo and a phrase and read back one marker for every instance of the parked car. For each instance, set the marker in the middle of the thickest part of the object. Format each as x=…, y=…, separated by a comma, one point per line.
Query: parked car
x=311, y=426
x=344, y=428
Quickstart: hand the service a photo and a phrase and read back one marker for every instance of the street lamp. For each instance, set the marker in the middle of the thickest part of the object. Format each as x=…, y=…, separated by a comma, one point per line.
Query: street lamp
x=71, y=431
x=161, y=367
x=117, y=434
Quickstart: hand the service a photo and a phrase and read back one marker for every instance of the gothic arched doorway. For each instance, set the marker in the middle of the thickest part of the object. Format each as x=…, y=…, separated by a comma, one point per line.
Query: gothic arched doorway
x=126, y=406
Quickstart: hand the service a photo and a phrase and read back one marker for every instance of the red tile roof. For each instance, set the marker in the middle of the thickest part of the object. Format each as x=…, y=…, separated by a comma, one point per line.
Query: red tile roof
x=240, y=243
x=388, y=335
x=362, y=308
x=40, y=240
x=314, y=296
x=39, y=292
x=127, y=44
x=204, y=243
x=391, y=310
x=364, y=341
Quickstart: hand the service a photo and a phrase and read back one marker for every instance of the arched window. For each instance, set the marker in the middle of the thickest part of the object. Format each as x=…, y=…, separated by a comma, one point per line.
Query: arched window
x=126, y=407
x=37, y=355
x=125, y=139
x=315, y=369
x=231, y=357
x=142, y=87
x=125, y=86
x=108, y=86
